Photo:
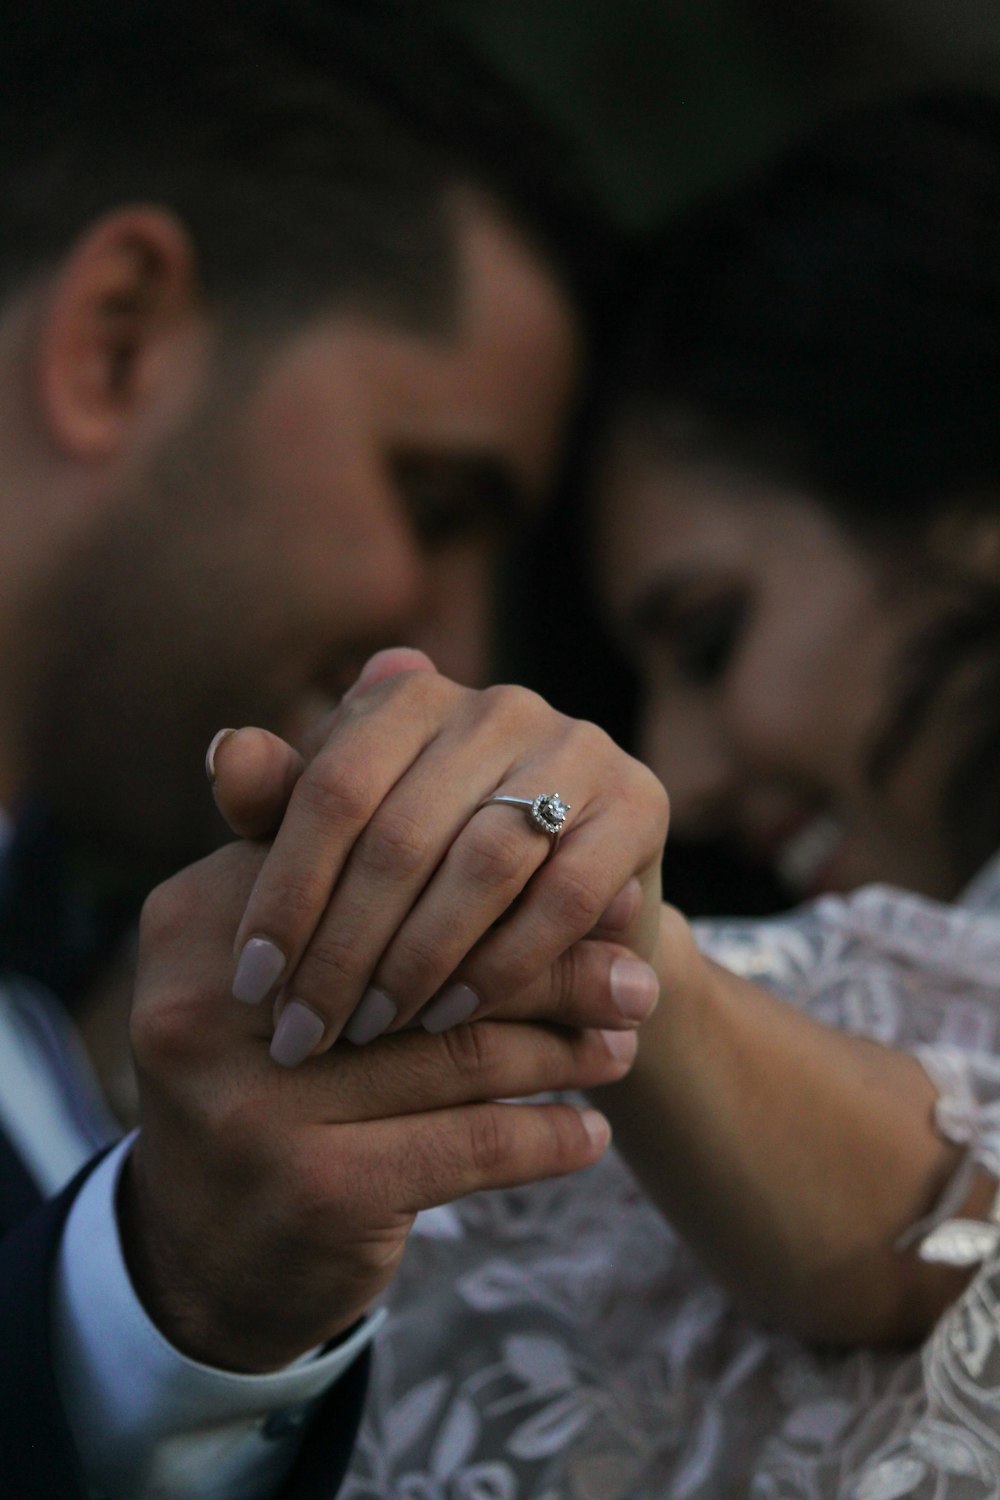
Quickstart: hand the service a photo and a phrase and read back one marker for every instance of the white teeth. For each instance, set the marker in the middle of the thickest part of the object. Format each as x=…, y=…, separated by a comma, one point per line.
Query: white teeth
x=801, y=860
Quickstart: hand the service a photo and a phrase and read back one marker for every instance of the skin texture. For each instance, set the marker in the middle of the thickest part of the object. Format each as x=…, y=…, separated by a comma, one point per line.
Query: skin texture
x=263, y=1207
x=386, y=836
x=769, y=644
x=790, y=1155
x=222, y=530
x=793, y=1157
x=259, y=1217
x=289, y=515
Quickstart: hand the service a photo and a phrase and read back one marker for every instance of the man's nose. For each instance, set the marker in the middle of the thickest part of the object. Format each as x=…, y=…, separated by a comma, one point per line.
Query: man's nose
x=454, y=623
x=685, y=744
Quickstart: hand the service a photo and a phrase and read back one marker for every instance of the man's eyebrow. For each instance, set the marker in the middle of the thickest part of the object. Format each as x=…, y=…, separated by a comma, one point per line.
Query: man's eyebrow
x=657, y=606
x=489, y=480
x=504, y=495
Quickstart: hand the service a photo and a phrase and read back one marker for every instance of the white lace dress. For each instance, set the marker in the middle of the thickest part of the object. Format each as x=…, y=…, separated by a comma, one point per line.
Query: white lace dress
x=561, y=1343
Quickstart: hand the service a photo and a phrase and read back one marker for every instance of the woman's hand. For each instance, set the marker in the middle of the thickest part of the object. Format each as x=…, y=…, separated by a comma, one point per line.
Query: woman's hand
x=392, y=893
x=790, y=1155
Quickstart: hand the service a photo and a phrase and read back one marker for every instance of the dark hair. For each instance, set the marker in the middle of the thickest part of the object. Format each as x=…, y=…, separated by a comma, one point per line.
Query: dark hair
x=834, y=323
x=308, y=145
x=838, y=316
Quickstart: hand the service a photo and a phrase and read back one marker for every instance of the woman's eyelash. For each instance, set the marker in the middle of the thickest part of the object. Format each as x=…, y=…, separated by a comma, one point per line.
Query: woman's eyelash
x=703, y=638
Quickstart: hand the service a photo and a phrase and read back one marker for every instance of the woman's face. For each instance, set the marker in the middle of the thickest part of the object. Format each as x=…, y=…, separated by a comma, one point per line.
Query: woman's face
x=768, y=644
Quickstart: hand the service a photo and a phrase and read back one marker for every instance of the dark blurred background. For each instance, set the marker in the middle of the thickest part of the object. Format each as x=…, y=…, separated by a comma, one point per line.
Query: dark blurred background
x=668, y=97
x=667, y=100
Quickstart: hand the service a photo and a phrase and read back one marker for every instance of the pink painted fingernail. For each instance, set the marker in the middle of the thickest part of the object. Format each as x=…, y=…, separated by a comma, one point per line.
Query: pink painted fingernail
x=621, y=908
x=635, y=988
x=622, y=1045
x=372, y=1014
x=453, y=1006
x=214, y=744
x=258, y=971
x=298, y=1030
x=596, y=1127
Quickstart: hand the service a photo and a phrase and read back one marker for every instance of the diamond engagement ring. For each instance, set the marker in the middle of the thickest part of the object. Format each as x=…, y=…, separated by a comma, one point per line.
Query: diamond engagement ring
x=546, y=812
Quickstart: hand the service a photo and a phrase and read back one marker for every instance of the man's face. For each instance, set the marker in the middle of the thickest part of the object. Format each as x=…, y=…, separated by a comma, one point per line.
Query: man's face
x=358, y=496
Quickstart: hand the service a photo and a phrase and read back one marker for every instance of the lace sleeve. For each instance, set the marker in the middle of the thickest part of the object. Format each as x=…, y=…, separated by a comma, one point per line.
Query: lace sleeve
x=967, y=1112
x=915, y=975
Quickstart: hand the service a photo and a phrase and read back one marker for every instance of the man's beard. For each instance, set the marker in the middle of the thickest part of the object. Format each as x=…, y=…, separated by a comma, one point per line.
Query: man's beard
x=140, y=659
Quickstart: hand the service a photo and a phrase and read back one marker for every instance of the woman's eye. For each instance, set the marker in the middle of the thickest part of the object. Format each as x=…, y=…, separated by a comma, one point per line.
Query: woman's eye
x=702, y=640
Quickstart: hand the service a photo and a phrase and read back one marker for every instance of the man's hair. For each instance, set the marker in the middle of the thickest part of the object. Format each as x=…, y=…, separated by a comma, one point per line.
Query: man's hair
x=309, y=146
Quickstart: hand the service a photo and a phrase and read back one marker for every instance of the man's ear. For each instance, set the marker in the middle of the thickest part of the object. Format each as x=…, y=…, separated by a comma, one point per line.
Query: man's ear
x=114, y=328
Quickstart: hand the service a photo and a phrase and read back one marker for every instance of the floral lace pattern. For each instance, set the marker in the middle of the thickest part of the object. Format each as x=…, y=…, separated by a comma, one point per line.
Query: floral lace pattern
x=561, y=1343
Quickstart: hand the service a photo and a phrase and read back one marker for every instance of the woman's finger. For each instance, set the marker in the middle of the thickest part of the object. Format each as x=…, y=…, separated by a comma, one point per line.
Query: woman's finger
x=593, y=984
x=423, y=884
x=452, y=957
x=374, y=740
x=394, y=887
x=252, y=773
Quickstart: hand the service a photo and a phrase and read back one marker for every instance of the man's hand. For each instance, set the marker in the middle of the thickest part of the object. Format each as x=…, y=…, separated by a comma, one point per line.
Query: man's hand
x=262, y=1208
x=392, y=894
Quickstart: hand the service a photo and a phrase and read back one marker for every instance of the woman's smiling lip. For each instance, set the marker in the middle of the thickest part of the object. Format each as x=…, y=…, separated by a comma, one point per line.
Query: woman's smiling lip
x=806, y=862
x=803, y=849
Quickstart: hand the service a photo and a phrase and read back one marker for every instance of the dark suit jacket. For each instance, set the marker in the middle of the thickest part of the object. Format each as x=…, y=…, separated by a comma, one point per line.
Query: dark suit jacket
x=38, y=1459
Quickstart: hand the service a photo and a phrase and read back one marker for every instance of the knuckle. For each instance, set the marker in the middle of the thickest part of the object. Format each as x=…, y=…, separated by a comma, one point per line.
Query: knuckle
x=510, y=704
x=328, y=967
x=338, y=790
x=423, y=696
x=315, y=1193
x=568, y=987
x=490, y=1141
x=162, y=915
x=161, y=1035
x=654, y=799
x=416, y=686
x=295, y=903
x=438, y=1170
x=300, y=894
x=492, y=853
x=395, y=846
x=645, y=796
x=419, y=962
x=238, y=1112
x=472, y=1052
x=511, y=969
x=574, y=899
x=595, y=741
x=217, y=886
x=563, y=1134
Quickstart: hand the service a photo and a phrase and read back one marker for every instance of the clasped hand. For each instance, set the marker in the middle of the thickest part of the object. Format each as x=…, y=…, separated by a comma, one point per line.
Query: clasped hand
x=265, y=1206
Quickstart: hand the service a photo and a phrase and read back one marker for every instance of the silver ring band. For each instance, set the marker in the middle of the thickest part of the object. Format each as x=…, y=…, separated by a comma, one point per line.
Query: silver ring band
x=546, y=812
